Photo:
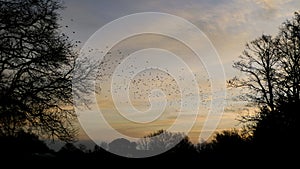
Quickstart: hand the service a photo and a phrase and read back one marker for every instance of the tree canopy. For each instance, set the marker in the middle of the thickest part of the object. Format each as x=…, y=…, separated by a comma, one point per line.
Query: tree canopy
x=36, y=62
x=271, y=67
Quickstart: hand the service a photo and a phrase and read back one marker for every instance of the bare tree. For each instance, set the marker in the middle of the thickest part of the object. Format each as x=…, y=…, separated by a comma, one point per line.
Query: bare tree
x=289, y=53
x=36, y=62
x=160, y=141
x=259, y=63
x=271, y=66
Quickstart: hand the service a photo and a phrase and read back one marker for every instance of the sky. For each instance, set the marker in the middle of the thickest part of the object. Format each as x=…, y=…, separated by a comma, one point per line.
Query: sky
x=227, y=25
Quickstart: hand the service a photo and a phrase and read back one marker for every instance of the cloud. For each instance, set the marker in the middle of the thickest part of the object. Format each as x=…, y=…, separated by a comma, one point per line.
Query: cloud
x=271, y=4
x=229, y=24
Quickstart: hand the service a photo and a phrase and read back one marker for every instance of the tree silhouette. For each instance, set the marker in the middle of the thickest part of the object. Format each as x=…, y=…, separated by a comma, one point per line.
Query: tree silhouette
x=160, y=141
x=276, y=131
x=184, y=150
x=36, y=62
x=259, y=63
x=70, y=148
x=122, y=147
x=22, y=143
x=229, y=141
x=271, y=66
x=272, y=69
x=289, y=54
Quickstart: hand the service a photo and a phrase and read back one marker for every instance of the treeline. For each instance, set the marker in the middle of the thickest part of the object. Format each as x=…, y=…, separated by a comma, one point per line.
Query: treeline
x=229, y=145
x=36, y=66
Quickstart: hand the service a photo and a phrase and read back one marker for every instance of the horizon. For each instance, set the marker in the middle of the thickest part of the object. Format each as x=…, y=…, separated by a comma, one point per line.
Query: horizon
x=170, y=80
x=228, y=36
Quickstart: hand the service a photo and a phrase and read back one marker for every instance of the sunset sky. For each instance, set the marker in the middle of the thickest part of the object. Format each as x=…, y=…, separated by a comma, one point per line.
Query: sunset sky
x=228, y=25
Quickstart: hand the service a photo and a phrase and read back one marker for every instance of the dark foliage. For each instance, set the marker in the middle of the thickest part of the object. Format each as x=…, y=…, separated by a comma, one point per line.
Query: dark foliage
x=36, y=62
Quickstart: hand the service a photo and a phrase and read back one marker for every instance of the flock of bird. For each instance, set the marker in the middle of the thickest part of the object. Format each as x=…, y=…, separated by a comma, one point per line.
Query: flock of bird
x=145, y=81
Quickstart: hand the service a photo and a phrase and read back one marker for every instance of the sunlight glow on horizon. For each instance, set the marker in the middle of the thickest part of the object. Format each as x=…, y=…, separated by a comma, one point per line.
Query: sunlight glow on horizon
x=228, y=24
